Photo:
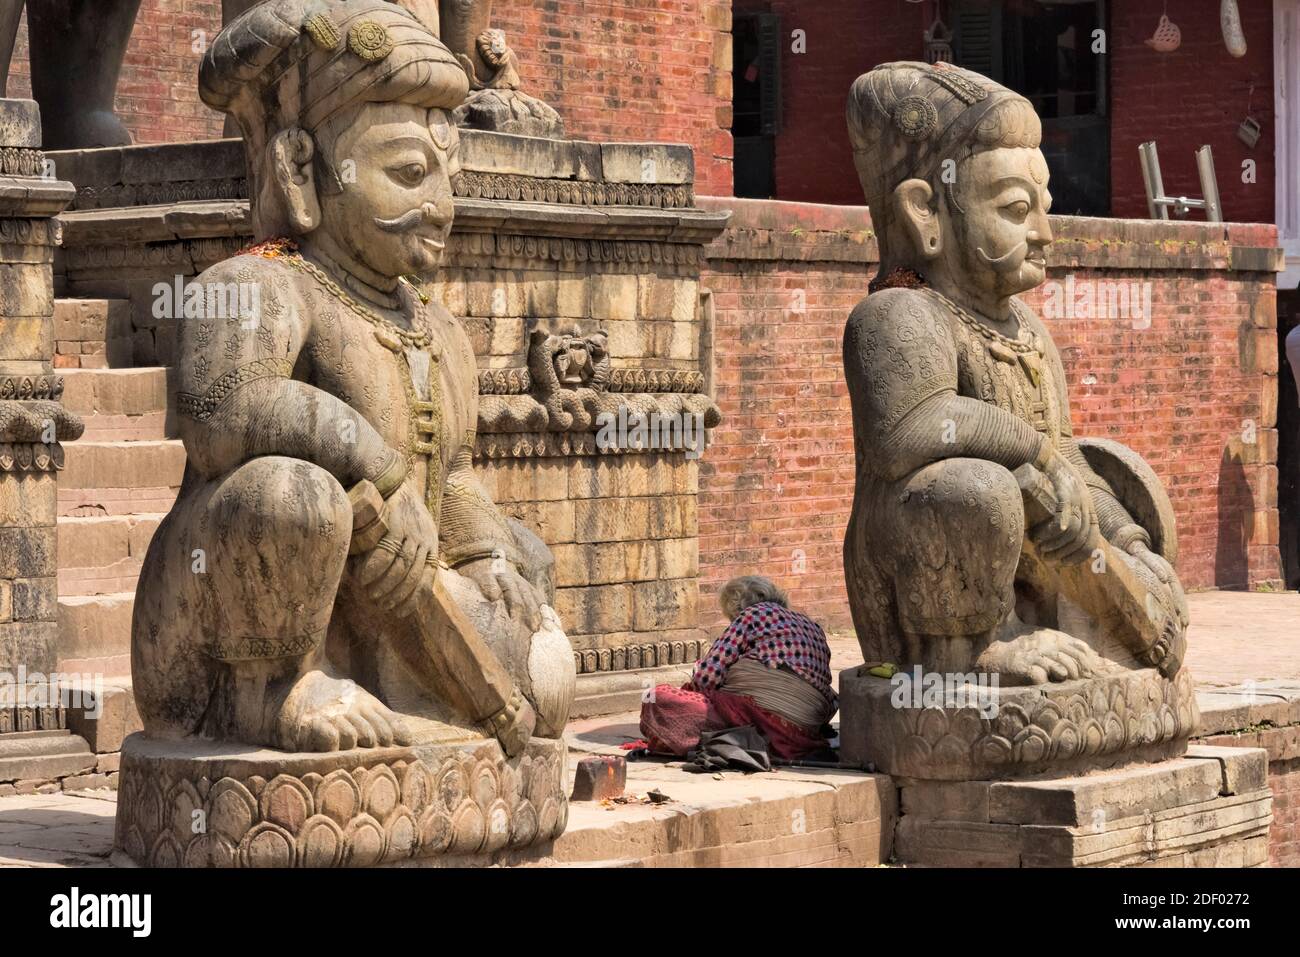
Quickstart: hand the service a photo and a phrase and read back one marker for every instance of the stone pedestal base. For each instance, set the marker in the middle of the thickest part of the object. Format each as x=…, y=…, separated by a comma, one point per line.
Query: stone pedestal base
x=965, y=733
x=201, y=804
x=1211, y=808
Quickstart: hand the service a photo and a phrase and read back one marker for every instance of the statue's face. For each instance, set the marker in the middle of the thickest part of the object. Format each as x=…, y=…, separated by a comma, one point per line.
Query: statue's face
x=395, y=211
x=1004, y=231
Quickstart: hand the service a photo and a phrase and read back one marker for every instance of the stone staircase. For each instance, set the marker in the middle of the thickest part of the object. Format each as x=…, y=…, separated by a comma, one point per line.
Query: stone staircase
x=119, y=480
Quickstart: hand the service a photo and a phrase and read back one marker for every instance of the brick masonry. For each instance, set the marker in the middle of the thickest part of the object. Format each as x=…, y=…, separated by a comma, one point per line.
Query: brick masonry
x=1195, y=392
x=1198, y=94
x=615, y=69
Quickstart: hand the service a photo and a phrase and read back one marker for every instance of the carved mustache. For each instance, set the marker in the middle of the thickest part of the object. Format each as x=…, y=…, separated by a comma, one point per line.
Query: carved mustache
x=1018, y=248
x=410, y=220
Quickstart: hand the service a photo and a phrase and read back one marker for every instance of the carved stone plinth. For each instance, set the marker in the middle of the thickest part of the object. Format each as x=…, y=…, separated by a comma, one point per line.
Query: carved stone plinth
x=202, y=804
x=1068, y=727
x=1210, y=808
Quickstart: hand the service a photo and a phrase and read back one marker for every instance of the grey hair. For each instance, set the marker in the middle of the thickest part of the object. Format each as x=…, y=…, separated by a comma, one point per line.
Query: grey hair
x=739, y=593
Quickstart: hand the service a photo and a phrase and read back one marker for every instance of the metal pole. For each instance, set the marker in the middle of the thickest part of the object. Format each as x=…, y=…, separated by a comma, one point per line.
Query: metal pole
x=1209, y=185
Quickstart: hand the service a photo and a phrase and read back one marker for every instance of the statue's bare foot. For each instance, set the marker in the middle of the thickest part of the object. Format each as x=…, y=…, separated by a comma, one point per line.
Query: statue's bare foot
x=1021, y=654
x=325, y=713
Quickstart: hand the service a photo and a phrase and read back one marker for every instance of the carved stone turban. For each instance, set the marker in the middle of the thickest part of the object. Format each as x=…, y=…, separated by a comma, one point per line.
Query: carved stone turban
x=906, y=118
x=287, y=63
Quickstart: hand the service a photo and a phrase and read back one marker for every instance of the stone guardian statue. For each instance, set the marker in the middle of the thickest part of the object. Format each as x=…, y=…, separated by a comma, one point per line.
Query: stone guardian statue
x=985, y=538
x=332, y=575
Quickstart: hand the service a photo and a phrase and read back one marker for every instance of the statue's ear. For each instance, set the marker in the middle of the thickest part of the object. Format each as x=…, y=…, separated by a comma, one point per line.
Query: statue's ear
x=912, y=207
x=294, y=175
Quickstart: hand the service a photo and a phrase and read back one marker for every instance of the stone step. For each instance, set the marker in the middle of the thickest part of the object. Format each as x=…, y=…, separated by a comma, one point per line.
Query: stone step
x=120, y=478
x=119, y=404
x=43, y=756
x=92, y=333
x=95, y=633
x=102, y=554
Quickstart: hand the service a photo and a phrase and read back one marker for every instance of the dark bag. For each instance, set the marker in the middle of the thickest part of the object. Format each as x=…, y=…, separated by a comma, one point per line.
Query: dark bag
x=741, y=749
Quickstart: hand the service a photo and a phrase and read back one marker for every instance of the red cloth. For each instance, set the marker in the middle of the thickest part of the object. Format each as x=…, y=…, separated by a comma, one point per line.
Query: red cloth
x=671, y=721
x=673, y=718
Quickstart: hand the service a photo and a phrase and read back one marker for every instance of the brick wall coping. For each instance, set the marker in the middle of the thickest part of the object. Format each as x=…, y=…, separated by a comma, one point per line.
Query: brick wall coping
x=810, y=232
x=1244, y=708
x=206, y=219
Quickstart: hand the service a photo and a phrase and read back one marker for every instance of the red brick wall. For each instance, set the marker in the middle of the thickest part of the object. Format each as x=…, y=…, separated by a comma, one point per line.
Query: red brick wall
x=655, y=70
x=845, y=38
x=1283, y=747
x=779, y=477
x=1284, y=835
x=157, y=93
x=1195, y=95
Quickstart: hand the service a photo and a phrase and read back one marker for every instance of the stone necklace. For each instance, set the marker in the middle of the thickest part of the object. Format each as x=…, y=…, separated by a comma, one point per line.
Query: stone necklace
x=1028, y=352
x=396, y=340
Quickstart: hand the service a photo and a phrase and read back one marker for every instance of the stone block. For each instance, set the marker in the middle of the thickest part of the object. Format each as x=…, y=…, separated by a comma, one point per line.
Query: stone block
x=945, y=800
x=572, y=296
x=956, y=843
x=605, y=563
x=28, y=644
x=20, y=124
x=648, y=162
x=35, y=599
x=27, y=289
x=25, y=337
x=665, y=604
x=553, y=521
x=531, y=480
x=594, y=609
x=6, y=600
x=1092, y=800
x=27, y=552
x=108, y=763
x=495, y=293
x=533, y=156
x=614, y=297
x=599, y=778
x=106, y=722
x=146, y=464
x=679, y=558
x=1242, y=770
x=86, y=782
x=667, y=297
x=42, y=756
x=28, y=499
x=95, y=626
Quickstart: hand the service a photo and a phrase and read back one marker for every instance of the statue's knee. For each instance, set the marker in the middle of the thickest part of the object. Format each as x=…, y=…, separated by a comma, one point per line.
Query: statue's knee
x=289, y=505
x=971, y=496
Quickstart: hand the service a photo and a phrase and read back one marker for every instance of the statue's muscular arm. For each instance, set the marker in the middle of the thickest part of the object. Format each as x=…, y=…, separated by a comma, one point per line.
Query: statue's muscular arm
x=472, y=526
x=901, y=363
x=236, y=395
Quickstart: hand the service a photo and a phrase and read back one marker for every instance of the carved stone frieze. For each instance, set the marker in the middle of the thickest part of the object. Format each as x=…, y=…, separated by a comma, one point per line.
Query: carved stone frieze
x=360, y=808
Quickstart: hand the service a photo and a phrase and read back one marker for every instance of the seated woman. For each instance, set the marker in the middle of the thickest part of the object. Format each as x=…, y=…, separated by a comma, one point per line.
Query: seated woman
x=769, y=669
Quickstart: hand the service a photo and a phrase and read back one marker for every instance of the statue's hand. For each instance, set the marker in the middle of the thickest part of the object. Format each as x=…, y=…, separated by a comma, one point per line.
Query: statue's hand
x=392, y=572
x=496, y=578
x=1068, y=536
x=1168, y=652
